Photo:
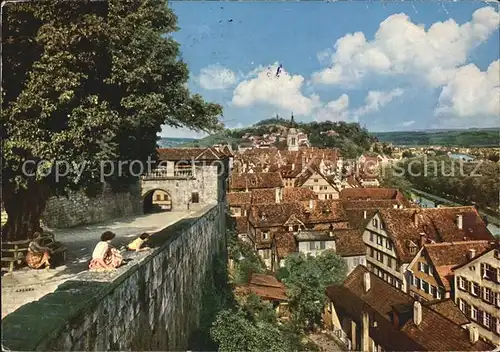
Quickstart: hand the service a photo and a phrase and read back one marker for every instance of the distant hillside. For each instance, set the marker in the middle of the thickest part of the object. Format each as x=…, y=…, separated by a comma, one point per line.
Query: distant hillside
x=170, y=142
x=458, y=138
x=352, y=139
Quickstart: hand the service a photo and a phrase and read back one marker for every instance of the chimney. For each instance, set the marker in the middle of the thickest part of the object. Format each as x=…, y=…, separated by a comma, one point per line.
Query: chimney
x=473, y=334
x=423, y=239
x=366, y=282
x=417, y=313
x=311, y=203
x=364, y=214
x=460, y=221
x=415, y=218
x=472, y=253
x=278, y=195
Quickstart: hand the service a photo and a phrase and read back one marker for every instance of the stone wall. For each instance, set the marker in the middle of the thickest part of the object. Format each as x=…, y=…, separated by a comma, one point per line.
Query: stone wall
x=209, y=181
x=152, y=303
x=79, y=209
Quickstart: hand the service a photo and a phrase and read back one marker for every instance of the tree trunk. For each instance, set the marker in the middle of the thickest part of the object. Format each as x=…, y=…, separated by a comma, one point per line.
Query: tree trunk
x=24, y=209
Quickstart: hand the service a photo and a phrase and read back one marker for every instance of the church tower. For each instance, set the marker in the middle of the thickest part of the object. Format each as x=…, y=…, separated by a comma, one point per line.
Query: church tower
x=291, y=137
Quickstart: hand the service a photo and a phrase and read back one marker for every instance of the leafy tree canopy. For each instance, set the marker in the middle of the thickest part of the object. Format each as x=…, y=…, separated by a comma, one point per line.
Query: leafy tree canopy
x=306, y=278
x=85, y=83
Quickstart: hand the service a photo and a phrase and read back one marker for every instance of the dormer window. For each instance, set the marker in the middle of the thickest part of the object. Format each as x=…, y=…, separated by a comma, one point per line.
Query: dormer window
x=265, y=235
x=375, y=223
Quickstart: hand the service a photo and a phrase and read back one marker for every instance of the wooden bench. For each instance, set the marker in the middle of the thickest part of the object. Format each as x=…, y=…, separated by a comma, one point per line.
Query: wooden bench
x=14, y=252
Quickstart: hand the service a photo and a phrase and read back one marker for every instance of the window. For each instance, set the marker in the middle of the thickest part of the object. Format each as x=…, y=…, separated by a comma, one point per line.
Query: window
x=398, y=284
x=420, y=267
x=417, y=282
x=266, y=254
x=462, y=283
x=438, y=293
x=380, y=240
x=372, y=253
x=488, y=273
x=375, y=223
x=497, y=299
x=265, y=235
x=487, y=320
x=158, y=197
x=467, y=309
x=487, y=296
x=322, y=245
x=425, y=286
x=473, y=313
x=312, y=246
x=461, y=305
x=371, y=236
x=429, y=270
x=433, y=291
x=388, y=244
x=380, y=257
x=316, y=180
x=474, y=288
x=195, y=197
x=413, y=250
x=389, y=262
x=497, y=330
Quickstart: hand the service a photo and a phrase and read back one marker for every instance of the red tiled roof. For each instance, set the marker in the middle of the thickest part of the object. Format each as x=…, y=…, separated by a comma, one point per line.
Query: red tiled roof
x=438, y=333
x=371, y=194
x=444, y=256
x=438, y=224
x=241, y=224
x=285, y=244
x=371, y=204
x=448, y=309
x=298, y=194
x=255, y=180
x=349, y=242
x=435, y=332
x=263, y=196
x=239, y=198
x=323, y=211
x=266, y=287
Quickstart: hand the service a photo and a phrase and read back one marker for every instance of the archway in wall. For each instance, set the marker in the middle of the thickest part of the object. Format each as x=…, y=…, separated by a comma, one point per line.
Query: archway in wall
x=156, y=201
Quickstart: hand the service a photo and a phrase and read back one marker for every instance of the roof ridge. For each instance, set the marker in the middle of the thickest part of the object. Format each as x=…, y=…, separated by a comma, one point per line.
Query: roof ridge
x=427, y=245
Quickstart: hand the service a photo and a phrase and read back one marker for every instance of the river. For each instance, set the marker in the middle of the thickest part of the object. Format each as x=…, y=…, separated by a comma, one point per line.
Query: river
x=426, y=202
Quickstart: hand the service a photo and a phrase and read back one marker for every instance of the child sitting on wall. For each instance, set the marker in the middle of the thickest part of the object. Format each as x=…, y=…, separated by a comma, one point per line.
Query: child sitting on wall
x=138, y=244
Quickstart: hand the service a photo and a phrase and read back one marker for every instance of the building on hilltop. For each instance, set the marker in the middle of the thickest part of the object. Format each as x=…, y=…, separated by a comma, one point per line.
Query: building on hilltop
x=431, y=271
x=189, y=176
x=368, y=314
x=477, y=291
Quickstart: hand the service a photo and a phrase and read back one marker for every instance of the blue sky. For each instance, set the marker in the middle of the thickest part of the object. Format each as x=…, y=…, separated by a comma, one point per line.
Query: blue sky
x=398, y=66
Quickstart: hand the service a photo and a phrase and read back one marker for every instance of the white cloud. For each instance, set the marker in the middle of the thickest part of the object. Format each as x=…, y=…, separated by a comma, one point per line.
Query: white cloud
x=335, y=110
x=376, y=100
x=408, y=123
x=282, y=91
x=216, y=77
x=402, y=47
x=472, y=92
x=170, y=131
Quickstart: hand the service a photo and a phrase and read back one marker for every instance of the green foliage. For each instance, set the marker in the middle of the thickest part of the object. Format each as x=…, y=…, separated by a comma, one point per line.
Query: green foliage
x=469, y=183
x=87, y=82
x=465, y=138
x=306, y=279
x=253, y=326
x=389, y=178
x=233, y=331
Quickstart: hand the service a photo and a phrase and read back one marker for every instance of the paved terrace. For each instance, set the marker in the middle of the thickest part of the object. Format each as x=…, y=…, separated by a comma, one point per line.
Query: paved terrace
x=28, y=285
